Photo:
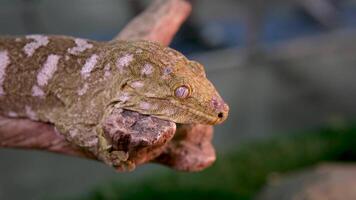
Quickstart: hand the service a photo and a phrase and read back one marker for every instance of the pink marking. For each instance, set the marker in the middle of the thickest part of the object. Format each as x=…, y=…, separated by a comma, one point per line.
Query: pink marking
x=145, y=105
x=92, y=142
x=48, y=70
x=73, y=133
x=147, y=69
x=39, y=40
x=89, y=66
x=30, y=113
x=124, y=97
x=107, y=72
x=12, y=114
x=4, y=62
x=123, y=62
x=82, y=45
x=217, y=103
x=137, y=84
x=37, y=91
x=83, y=90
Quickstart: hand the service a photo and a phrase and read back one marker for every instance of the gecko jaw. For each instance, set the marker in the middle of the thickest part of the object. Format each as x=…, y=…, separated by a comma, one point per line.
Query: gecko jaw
x=199, y=115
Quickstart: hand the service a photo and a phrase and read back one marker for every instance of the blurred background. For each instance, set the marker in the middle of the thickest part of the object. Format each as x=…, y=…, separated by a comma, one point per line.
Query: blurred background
x=287, y=68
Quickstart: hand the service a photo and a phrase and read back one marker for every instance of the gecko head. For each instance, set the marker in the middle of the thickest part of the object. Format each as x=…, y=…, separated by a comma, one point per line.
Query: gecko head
x=165, y=84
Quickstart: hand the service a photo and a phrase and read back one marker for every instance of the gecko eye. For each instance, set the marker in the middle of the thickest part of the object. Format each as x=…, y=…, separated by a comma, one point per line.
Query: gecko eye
x=182, y=91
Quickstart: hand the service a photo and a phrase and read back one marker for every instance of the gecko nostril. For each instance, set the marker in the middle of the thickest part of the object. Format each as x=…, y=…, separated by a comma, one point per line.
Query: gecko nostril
x=221, y=115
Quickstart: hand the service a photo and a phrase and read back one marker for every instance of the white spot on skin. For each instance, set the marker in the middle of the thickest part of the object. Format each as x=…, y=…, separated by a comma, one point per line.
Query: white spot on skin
x=30, y=113
x=107, y=71
x=92, y=142
x=4, y=62
x=137, y=84
x=48, y=70
x=89, y=66
x=83, y=90
x=124, y=61
x=145, y=105
x=147, y=69
x=39, y=40
x=82, y=45
x=124, y=97
x=37, y=91
x=67, y=58
x=73, y=133
x=12, y=114
x=45, y=74
x=18, y=40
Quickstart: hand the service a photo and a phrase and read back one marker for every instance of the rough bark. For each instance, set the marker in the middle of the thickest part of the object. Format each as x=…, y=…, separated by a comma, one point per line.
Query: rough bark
x=159, y=22
x=190, y=149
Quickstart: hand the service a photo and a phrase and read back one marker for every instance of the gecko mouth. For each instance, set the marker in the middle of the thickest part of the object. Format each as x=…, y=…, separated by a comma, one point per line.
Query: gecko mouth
x=191, y=114
x=199, y=116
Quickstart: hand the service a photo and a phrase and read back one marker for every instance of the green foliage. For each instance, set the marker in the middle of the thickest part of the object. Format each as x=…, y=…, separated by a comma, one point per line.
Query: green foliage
x=240, y=174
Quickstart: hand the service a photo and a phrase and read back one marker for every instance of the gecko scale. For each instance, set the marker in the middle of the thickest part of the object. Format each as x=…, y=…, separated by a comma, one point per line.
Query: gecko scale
x=75, y=83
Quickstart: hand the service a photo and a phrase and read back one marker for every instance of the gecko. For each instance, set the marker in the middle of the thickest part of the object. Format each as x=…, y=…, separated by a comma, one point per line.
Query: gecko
x=75, y=83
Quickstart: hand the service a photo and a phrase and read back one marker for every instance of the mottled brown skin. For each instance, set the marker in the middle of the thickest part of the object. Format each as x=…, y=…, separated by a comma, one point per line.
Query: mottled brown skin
x=113, y=82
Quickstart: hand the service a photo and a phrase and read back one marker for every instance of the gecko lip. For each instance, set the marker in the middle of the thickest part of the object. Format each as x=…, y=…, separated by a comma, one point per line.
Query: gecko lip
x=206, y=118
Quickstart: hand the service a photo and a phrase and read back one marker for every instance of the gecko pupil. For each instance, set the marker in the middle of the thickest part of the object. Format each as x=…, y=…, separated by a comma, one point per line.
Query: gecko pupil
x=182, y=92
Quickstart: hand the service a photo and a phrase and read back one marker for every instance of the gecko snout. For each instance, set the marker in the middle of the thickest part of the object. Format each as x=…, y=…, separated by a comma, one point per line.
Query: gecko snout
x=221, y=109
x=223, y=113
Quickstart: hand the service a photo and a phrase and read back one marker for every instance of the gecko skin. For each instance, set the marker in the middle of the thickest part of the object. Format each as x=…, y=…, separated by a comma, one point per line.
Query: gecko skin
x=75, y=83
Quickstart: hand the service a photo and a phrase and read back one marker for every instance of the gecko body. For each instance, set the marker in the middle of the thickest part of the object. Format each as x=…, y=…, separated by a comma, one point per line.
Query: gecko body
x=75, y=83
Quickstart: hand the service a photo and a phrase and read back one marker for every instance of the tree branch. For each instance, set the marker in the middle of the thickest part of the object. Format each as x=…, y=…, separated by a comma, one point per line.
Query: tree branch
x=159, y=22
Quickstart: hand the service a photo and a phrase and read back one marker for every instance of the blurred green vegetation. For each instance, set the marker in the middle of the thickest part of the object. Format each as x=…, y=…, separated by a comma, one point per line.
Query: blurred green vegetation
x=240, y=174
